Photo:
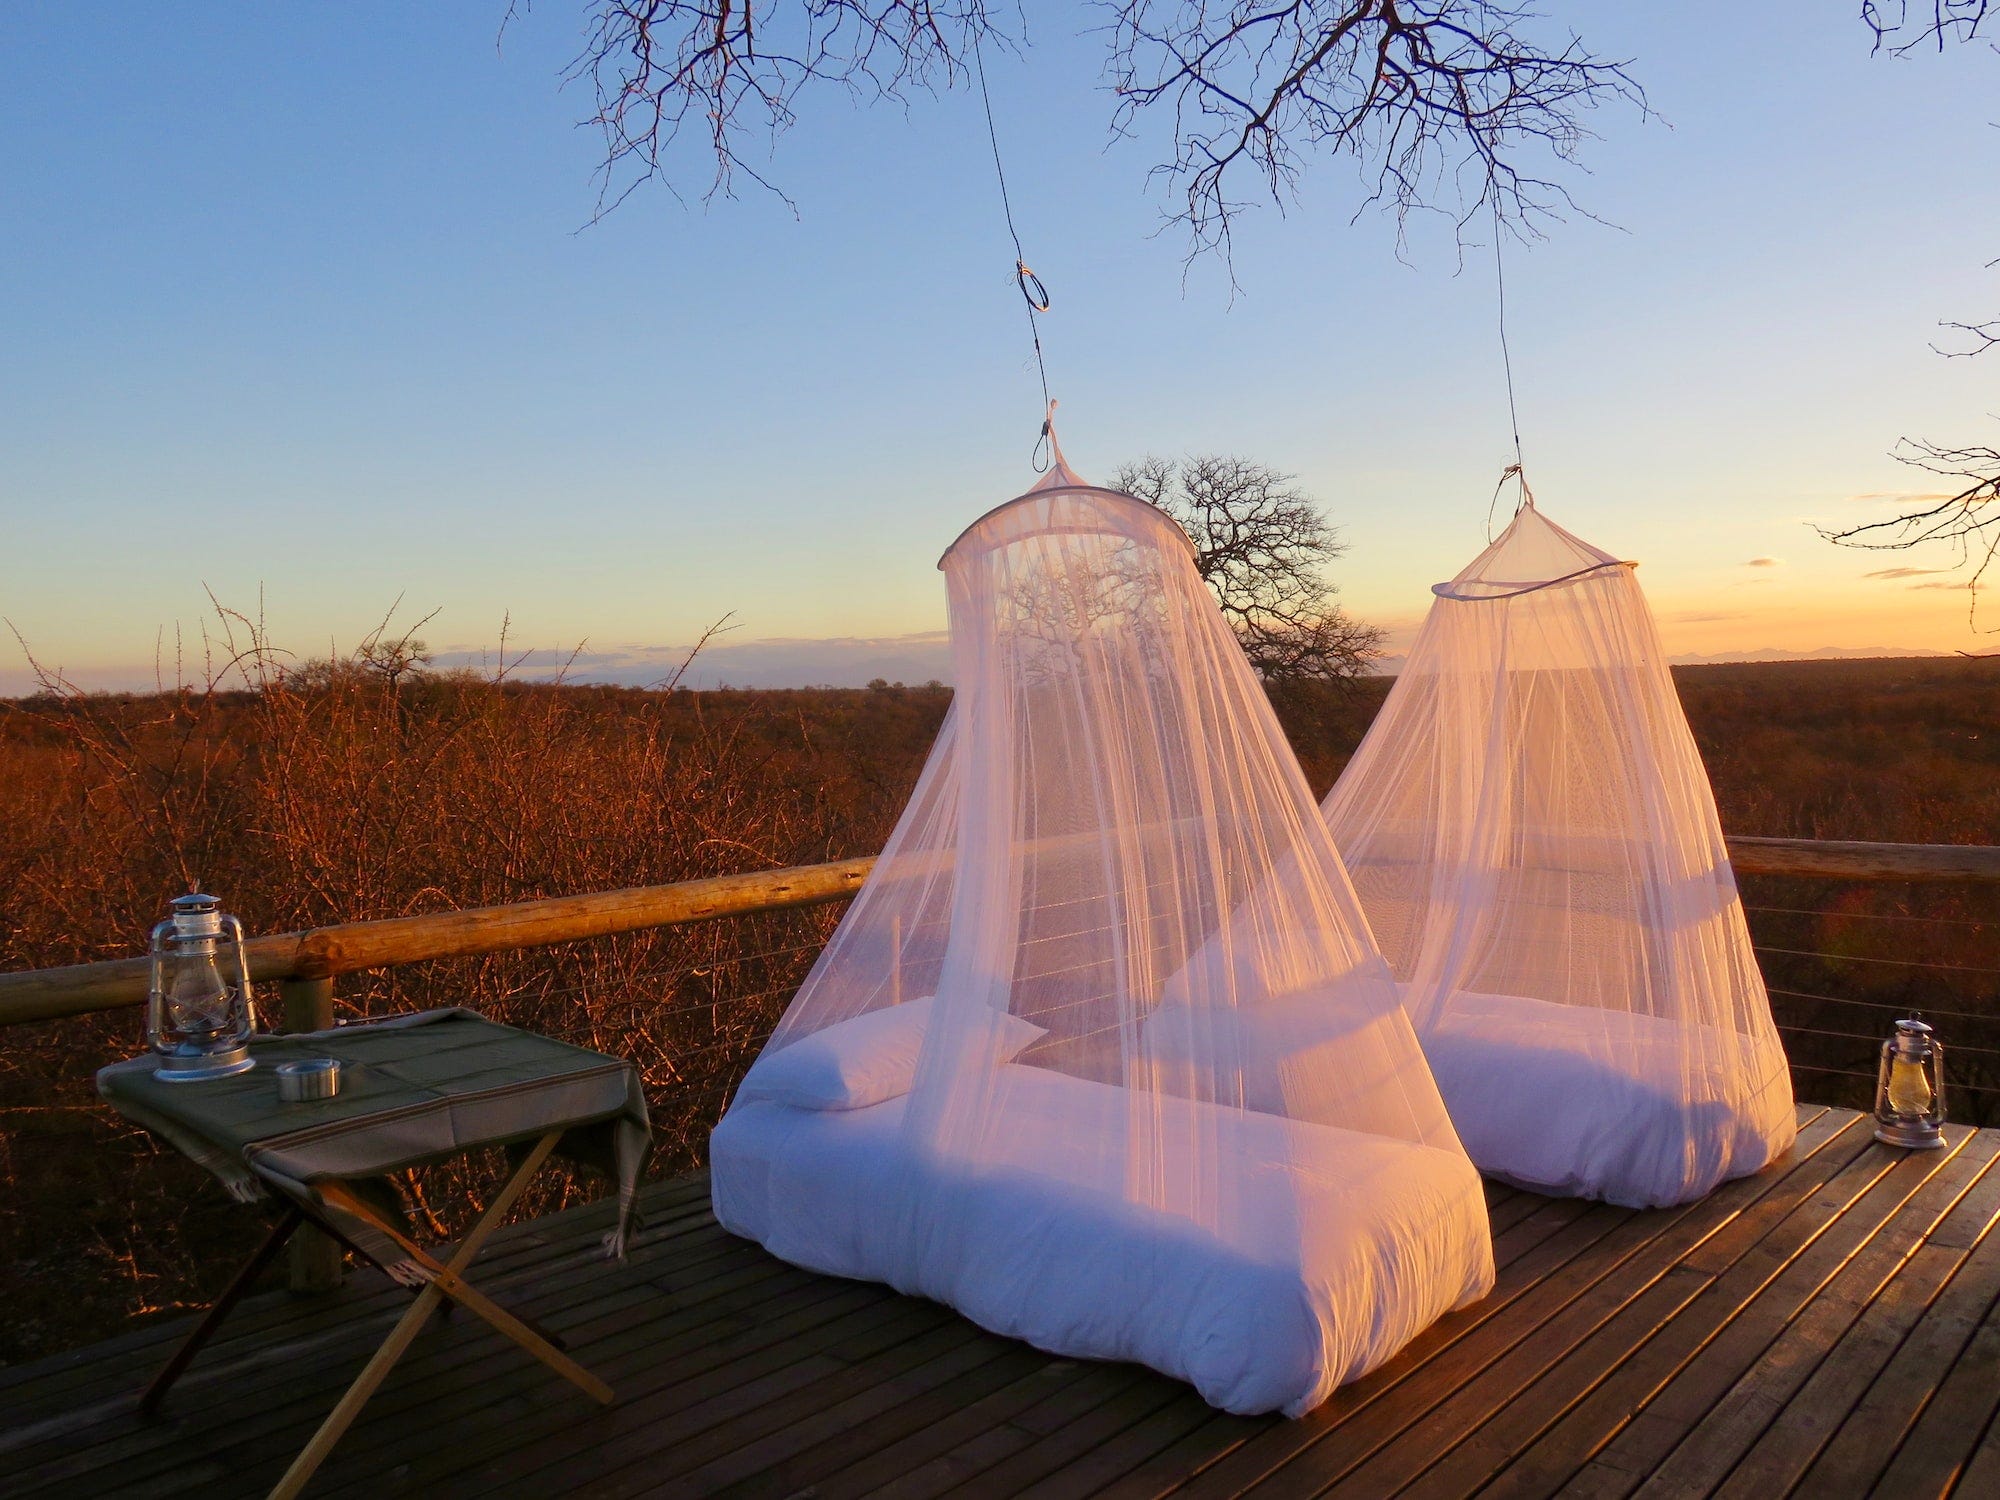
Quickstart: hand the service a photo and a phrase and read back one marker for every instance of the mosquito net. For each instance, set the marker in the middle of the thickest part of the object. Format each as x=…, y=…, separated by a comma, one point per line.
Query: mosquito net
x=1102, y=1054
x=1533, y=837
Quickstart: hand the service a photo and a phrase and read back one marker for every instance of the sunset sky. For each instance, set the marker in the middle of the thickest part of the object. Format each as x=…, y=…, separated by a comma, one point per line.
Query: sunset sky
x=302, y=302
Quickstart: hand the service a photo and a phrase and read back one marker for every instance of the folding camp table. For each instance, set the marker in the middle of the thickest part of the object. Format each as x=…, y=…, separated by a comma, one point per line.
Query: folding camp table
x=413, y=1090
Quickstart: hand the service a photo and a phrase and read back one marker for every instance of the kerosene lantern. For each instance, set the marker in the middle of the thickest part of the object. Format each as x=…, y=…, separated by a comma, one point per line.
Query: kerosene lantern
x=199, y=1010
x=1909, y=1090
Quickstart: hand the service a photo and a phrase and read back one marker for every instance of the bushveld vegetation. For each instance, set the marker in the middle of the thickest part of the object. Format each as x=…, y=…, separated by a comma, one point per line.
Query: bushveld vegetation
x=339, y=793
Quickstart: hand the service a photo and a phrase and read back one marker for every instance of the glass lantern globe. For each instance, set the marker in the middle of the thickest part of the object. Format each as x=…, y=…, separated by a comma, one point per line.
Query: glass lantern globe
x=1909, y=1088
x=199, y=1009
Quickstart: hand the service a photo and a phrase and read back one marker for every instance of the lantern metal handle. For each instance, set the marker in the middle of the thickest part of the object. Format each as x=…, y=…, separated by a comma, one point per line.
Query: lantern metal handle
x=156, y=946
x=234, y=927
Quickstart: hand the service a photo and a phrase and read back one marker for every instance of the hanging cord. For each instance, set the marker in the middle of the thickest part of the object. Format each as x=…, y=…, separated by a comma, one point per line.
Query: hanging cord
x=1033, y=293
x=1517, y=469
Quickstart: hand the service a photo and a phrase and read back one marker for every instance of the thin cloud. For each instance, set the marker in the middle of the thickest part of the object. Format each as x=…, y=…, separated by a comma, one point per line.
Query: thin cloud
x=1904, y=572
x=1899, y=497
x=1765, y=562
x=1956, y=584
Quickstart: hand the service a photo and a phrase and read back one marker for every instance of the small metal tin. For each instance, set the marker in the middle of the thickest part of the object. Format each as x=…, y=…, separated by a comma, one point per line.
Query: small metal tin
x=311, y=1078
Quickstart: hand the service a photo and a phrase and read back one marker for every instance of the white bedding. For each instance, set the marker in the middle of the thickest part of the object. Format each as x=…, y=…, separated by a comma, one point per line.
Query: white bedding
x=1632, y=1109
x=1379, y=1236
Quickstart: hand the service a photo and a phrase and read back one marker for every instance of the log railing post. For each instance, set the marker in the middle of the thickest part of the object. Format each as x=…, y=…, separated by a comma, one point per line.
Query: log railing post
x=314, y=1261
x=305, y=1004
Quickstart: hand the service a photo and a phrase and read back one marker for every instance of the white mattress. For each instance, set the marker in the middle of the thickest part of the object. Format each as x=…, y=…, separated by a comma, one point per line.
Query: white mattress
x=1632, y=1109
x=1337, y=1247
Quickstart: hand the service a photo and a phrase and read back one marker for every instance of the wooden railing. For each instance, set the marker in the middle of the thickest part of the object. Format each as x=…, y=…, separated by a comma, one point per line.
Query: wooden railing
x=304, y=964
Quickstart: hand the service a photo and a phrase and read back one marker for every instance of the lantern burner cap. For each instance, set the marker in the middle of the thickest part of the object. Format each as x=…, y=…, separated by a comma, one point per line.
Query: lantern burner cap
x=197, y=914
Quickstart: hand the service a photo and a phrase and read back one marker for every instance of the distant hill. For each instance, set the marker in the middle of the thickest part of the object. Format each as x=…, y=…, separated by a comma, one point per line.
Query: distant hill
x=1825, y=653
x=1389, y=666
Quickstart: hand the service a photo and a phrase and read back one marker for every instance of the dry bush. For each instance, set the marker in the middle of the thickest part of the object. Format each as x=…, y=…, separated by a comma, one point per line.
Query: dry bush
x=334, y=793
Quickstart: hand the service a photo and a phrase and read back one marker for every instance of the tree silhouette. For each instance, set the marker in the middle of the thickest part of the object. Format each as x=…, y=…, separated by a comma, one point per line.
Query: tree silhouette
x=1262, y=545
x=1966, y=520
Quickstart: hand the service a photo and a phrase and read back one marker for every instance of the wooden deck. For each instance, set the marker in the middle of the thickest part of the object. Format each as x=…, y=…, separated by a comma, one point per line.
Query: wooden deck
x=1830, y=1327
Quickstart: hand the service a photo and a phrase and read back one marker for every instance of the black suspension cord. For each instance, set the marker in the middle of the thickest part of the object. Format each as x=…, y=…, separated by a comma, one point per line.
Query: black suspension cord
x=1518, y=469
x=1033, y=293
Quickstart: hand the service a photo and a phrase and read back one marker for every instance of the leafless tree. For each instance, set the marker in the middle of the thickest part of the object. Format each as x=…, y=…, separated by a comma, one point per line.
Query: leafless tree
x=394, y=657
x=1262, y=545
x=1967, y=520
x=731, y=71
x=1457, y=104
x=1447, y=104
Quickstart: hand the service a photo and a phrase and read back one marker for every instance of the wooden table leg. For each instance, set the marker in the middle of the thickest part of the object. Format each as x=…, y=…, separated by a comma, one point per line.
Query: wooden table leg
x=212, y=1319
x=446, y=1281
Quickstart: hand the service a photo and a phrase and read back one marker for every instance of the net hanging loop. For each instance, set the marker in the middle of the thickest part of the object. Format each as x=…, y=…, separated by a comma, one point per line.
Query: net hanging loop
x=1515, y=472
x=1054, y=458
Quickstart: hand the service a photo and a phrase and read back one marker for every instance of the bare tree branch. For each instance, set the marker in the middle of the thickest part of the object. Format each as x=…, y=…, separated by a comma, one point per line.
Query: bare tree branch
x=1901, y=27
x=1967, y=521
x=1442, y=104
x=732, y=70
x=1984, y=336
x=1261, y=545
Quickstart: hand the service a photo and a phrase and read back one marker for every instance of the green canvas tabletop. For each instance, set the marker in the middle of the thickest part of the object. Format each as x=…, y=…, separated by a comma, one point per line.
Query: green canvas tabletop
x=413, y=1089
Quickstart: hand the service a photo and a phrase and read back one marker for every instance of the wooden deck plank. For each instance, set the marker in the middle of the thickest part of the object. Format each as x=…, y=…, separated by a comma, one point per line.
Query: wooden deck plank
x=324, y=1351
x=1186, y=1418
x=1747, y=1409
x=923, y=1415
x=1537, y=1409
x=1828, y=1326
x=733, y=1376
x=503, y=1421
x=518, y=1255
x=884, y=1348
x=1981, y=1474
x=674, y=1389
x=1866, y=1442
x=1817, y=1408
x=1734, y=1268
x=1841, y=1221
x=1316, y=1458
x=942, y=1454
x=1259, y=1453
x=1933, y=1453
x=426, y=1377
x=319, y=1362
x=947, y=1357
x=1256, y=1457
x=329, y=1343
x=1628, y=1266
x=1029, y=1469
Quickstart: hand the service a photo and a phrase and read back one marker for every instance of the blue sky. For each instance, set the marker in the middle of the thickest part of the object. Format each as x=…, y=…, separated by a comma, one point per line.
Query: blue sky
x=298, y=300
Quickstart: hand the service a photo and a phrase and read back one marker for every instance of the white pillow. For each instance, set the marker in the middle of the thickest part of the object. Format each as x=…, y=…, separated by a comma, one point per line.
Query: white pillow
x=872, y=1057
x=1337, y=1054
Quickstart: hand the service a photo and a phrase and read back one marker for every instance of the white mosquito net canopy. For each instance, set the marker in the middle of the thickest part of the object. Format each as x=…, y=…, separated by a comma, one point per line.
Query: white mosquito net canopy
x=1102, y=1054
x=1532, y=834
